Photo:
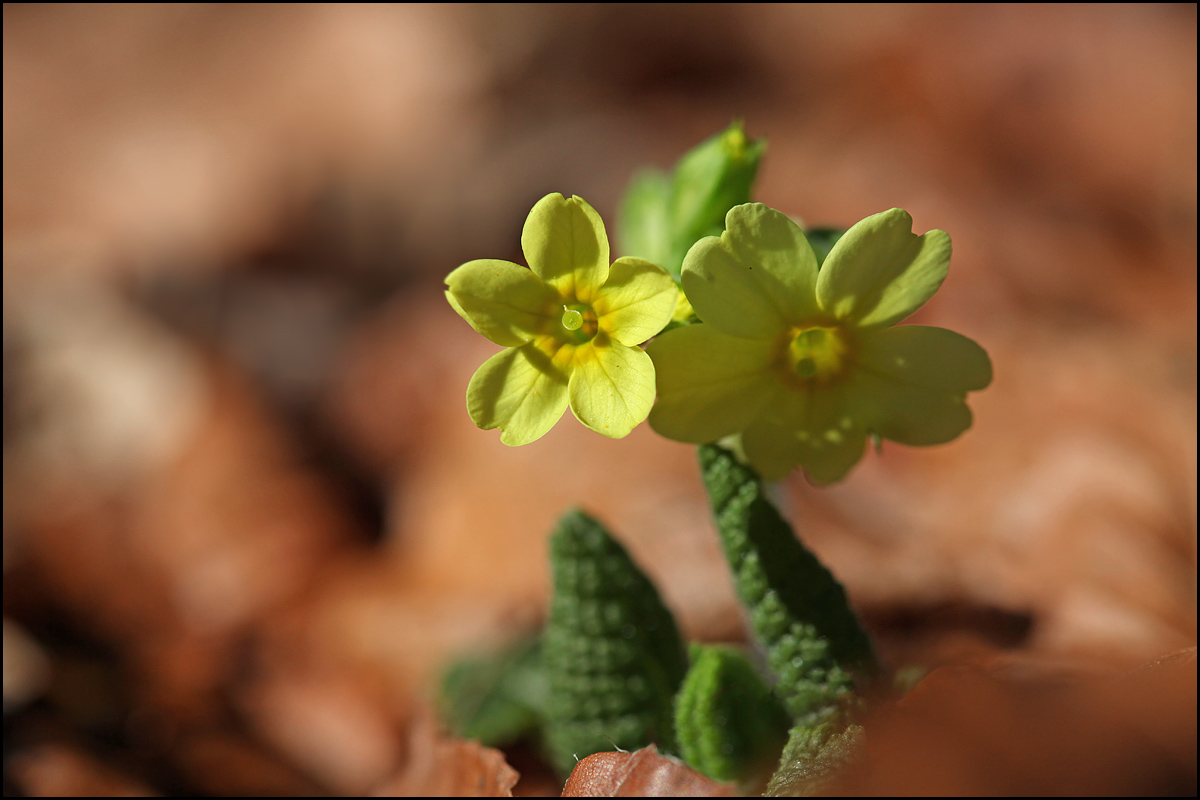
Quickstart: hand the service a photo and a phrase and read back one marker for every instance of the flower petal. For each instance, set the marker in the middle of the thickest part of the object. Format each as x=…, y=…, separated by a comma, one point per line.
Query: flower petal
x=814, y=429
x=612, y=386
x=520, y=391
x=566, y=246
x=912, y=382
x=636, y=302
x=925, y=357
x=710, y=385
x=909, y=415
x=757, y=278
x=879, y=272
x=504, y=301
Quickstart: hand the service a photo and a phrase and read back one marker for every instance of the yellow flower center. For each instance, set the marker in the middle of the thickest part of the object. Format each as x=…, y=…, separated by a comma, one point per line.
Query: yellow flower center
x=578, y=323
x=816, y=353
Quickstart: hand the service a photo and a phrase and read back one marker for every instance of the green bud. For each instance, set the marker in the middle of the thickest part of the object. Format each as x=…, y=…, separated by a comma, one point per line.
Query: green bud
x=663, y=216
x=711, y=179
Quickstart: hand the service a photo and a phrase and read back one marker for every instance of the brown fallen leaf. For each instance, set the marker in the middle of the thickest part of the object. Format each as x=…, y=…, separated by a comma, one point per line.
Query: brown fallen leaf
x=967, y=731
x=446, y=766
x=59, y=770
x=642, y=773
x=329, y=722
x=225, y=763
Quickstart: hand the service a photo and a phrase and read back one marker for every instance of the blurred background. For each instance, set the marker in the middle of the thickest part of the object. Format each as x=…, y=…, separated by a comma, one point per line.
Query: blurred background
x=247, y=519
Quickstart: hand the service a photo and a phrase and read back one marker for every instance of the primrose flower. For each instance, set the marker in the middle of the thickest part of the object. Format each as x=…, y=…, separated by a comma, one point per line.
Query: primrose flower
x=571, y=323
x=803, y=362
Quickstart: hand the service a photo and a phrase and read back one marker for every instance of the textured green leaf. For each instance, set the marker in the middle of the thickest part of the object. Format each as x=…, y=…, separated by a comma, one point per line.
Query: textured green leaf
x=814, y=641
x=498, y=698
x=727, y=721
x=611, y=648
x=812, y=759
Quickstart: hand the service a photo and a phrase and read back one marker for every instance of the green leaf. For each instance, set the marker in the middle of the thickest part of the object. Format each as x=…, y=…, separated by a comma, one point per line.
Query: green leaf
x=812, y=758
x=799, y=612
x=726, y=718
x=611, y=648
x=499, y=698
x=663, y=216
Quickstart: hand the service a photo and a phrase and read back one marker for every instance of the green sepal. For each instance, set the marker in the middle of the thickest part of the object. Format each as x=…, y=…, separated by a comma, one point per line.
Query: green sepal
x=611, y=648
x=644, y=221
x=814, y=642
x=710, y=179
x=812, y=759
x=728, y=723
x=497, y=698
x=663, y=216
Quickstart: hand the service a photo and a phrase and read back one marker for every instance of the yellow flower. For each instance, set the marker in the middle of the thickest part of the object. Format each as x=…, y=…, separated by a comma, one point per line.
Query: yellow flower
x=801, y=361
x=571, y=323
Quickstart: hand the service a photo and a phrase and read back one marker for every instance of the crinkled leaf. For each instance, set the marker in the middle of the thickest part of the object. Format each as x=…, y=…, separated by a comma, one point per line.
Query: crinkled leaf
x=727, y=721
x=813, y=758
x=799, y=612
x=611, y=648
